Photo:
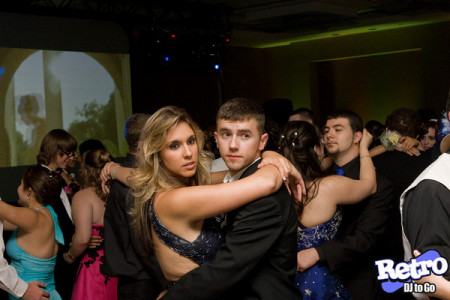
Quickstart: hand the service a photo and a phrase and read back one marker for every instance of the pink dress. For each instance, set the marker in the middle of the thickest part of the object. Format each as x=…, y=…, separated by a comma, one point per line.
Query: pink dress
x=90, y=283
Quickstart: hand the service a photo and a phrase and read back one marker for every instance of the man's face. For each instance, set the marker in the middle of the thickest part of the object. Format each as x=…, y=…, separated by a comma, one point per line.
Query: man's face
x=239, y=142
x=338, y=136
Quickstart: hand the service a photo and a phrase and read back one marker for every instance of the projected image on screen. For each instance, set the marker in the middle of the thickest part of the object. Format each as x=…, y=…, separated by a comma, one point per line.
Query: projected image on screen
x=87, y=94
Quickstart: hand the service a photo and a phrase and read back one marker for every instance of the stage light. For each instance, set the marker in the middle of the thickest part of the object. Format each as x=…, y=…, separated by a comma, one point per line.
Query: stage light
x=172, y=36
x=216, y=66
x=227, y=40
x=167, y=58
x=2, y=71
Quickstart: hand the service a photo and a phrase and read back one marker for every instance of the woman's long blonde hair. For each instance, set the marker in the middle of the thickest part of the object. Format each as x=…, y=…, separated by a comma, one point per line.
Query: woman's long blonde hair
x=150, y=175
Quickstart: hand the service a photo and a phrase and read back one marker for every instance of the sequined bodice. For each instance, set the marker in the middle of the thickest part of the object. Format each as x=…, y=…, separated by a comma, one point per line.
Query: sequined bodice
x=202, y=250
x=313, y=236
x=317, y=282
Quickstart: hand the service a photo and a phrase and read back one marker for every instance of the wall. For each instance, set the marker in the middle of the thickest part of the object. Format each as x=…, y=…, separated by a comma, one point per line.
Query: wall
x=289, y=71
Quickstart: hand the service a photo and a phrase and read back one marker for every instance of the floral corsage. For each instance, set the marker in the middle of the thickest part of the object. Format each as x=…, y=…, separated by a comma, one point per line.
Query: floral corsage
x=390, y=139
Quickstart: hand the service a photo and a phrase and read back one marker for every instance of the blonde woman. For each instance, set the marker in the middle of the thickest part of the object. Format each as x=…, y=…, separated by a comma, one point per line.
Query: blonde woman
x=175, y=203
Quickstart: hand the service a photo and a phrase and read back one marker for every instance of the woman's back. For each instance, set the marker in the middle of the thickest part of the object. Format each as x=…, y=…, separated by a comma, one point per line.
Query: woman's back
x=186, y=246
x=40, y=241
x=33, y=254
x=89, y=204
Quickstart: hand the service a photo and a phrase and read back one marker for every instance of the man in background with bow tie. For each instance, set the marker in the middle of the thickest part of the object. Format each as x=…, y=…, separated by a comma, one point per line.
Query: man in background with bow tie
x=351, y=256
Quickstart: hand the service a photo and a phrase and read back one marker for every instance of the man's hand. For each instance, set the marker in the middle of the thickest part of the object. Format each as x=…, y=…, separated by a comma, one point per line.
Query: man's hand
x=95, y=241
x=162, y=294
x=34, y=291
x=442, y=285
x=306, y=259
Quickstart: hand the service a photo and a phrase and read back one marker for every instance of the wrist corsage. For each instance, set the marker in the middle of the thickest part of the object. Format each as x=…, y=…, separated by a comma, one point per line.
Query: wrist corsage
x=390, y=139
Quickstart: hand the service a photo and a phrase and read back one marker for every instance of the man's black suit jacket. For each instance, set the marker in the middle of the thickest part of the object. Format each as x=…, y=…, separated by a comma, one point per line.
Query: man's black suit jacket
x=64, y=273
x=401, y=169
x=258, y=259
x=358, y=245
x=125, y=256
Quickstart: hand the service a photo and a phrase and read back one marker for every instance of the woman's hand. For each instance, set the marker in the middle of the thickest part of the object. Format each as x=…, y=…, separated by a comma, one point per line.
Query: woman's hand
x=291, y=176
x=68, y=258
x=407, y=143
x=277, y=160
x=366, y=140
x=107, y=172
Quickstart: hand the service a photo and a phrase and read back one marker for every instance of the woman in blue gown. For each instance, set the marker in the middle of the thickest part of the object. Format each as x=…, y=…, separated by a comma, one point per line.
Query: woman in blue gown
x=34, y=243
x=319, y=215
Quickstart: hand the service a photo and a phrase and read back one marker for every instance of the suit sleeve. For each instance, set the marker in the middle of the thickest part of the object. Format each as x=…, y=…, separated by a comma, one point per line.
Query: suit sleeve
x=426, y=218
x=369, y=226
x=255, y=228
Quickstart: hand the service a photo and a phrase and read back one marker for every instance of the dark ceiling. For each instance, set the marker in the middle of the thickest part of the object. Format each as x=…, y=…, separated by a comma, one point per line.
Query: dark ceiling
x=248, y=22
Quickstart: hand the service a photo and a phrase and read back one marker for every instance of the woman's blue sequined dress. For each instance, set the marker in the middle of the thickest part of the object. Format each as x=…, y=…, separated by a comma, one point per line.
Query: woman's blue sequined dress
x=317, y=282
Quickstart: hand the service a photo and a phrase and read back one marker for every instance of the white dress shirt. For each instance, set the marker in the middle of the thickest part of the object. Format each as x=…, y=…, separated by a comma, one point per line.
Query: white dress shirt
x=9, y=280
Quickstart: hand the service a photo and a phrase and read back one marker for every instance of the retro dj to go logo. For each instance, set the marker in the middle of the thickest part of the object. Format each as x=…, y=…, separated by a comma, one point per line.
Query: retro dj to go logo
x=403, y=273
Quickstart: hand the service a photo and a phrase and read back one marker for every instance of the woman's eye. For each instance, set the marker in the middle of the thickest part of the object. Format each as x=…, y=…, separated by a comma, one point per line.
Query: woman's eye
x=191, y=141
x=174, y=146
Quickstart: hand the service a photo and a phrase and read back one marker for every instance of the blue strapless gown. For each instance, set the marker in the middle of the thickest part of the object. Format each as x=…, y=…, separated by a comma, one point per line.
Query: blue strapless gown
x=317, y=282
x=31, y=268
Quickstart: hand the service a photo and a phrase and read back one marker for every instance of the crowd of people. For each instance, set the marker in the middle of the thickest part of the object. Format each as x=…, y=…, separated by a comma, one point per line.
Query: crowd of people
x=296, y=211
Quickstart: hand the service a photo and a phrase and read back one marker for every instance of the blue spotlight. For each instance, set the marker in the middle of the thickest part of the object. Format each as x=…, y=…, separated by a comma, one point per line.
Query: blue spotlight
x=167, y=58
x=216, y=66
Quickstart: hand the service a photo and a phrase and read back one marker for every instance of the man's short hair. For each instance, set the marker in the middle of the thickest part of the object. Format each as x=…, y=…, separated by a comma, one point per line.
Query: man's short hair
x=405, y=121
x=304, y=113
x=353, y=118
x=132, y=130
x=242, y=109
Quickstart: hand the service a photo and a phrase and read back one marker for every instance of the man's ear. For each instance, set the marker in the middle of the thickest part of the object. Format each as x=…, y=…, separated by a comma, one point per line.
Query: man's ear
x=215, y=136
x=263, y=141
x=357, y=137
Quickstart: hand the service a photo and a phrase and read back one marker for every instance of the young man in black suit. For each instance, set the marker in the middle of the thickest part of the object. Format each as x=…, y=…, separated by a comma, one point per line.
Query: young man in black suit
x=353, y=253
x=401, y=169
x=139, y=275
x=258, y=259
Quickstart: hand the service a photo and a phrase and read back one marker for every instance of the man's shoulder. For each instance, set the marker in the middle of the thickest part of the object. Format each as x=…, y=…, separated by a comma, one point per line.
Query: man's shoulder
x=119, y=199
x=250, y=169
x=428, y=187
x=400, y=158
